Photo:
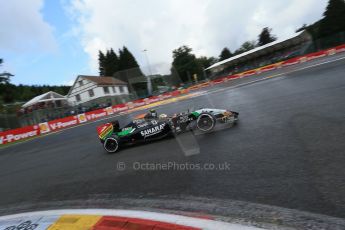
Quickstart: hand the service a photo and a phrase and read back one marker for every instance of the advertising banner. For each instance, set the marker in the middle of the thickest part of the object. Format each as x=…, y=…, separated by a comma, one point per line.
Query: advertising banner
x=62, y=123
x=96, y=114
x=19, y=134
x=120, y=108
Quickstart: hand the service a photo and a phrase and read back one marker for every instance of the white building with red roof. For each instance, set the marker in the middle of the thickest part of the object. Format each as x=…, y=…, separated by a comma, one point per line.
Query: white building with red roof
x=95, y=90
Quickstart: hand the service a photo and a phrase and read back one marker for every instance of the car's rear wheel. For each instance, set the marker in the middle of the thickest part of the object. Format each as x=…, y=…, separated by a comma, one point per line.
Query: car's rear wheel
x=205, y=122
x=111, y=144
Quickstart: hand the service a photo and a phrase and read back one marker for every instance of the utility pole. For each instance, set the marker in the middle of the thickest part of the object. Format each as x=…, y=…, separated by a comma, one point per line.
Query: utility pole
x=149, y=84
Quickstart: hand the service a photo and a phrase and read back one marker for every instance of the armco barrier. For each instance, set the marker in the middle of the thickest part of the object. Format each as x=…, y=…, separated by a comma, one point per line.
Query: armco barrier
x=14, y=135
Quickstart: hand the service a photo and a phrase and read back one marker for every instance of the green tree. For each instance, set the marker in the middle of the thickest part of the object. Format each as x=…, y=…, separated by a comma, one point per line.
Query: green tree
x=8, y=92
x=206, y=61
x=113, y=62
x=108, y=63
x=246, y=46
x=266, y=37
x=4, y=76
x=186, y=63
x=126, y=60
x=225, y=54
x=101, y=63
x=334, y=18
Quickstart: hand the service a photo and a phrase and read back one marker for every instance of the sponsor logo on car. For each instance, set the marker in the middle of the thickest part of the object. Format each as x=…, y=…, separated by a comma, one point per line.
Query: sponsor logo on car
x=141, y=125
x=152, y=131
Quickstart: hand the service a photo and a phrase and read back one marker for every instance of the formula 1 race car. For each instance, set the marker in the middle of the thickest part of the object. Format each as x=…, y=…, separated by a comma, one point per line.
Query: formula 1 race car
x=151, y=127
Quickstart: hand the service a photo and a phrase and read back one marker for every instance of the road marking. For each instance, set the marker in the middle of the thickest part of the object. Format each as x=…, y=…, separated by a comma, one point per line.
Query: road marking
x=91, y=215
x=75, y=222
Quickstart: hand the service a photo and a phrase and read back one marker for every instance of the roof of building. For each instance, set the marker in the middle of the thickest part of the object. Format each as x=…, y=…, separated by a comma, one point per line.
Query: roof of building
x=101, y=81
x=104, y=80
x=270, y=47
x=48, y=96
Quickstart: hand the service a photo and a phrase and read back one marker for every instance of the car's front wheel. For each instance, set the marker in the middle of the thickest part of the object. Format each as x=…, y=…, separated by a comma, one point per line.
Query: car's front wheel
x=111, y=144
x=205, y=122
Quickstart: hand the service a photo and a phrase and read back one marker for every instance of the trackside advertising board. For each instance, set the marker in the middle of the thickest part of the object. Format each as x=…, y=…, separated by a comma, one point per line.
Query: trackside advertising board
x=19, y=134
x=58, y=124
x=14, y=135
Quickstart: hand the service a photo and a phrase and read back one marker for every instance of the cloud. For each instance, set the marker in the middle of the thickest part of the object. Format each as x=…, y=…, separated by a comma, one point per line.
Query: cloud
x=23, y=28
x=205, y=25
x=69, y=82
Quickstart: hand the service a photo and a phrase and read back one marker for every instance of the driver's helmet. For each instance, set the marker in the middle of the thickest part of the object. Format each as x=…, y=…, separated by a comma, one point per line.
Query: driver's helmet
x=153, y=113
x=163, y=116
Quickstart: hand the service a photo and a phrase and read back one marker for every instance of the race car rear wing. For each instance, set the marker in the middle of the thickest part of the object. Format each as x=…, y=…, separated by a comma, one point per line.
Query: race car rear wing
x=105, y=130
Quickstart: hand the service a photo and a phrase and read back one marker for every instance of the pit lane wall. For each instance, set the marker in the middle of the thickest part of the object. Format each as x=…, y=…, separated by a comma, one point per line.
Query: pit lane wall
x=14, y=135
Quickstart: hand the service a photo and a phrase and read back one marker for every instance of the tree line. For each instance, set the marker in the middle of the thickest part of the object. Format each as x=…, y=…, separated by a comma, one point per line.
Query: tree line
x=188, y=65
x=111, y=62
x=10, y=93
x=324, y=30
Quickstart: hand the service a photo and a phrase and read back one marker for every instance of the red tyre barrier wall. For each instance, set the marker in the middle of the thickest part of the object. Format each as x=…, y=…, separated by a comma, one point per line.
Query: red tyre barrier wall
x=96, y=114
x=19, y=134
x=14, y=135
x=120, y=108
x=58, y=124
x=291, y=61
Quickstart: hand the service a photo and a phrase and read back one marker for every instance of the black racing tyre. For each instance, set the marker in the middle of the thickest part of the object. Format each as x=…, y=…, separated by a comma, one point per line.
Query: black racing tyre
x=111, y=144
x=205, y=122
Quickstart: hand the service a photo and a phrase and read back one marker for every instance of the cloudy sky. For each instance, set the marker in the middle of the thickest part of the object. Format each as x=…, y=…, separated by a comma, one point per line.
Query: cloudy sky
x=51, y=42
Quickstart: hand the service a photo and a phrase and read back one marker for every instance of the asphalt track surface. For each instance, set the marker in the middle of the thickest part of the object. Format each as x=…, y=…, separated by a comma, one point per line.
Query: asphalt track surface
x=288, y=150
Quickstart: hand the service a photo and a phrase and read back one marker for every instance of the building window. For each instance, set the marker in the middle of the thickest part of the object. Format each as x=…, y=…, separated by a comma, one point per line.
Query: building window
x=77, y=97
x=114, y=90
x=122, y=89
x=91, y=93
x=81, y=83
x=106, y=90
